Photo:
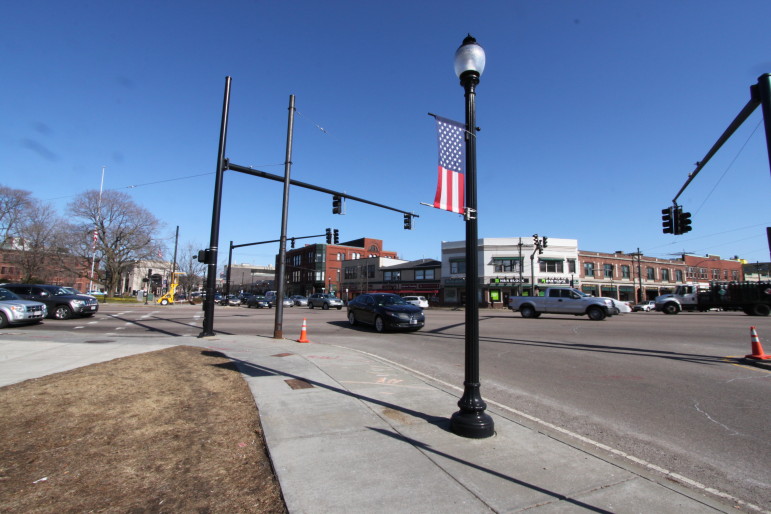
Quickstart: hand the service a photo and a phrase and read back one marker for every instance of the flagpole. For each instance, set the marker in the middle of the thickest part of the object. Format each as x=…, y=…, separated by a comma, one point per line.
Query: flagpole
x=96, y=228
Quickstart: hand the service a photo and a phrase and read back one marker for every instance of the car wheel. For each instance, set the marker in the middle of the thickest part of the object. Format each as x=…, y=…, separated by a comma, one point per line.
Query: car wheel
x=164, y=302
x=340, y=308
x=379, y=324
x=351, y=318
x=325, y=307
x=62, y=312
x=3, y=320
x=310, y=305
x=760, y=309
x=671, y=308
x=596, y=314
x=527, y=312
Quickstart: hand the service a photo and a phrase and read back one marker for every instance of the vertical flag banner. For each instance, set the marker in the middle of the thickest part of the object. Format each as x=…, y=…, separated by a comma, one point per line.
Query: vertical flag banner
x=450, y=189
x=96, y=238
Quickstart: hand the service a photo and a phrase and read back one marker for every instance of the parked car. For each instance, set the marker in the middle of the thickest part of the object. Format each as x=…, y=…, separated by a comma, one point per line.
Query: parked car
x=325, y=301
x=258, y=301
x=15, y=310
x=288, y=302
x=420, y=301
x=230, y=299
x=648, y=306
x=299, y=300
x=244, y=297
x=385, y=311
x=61, y=303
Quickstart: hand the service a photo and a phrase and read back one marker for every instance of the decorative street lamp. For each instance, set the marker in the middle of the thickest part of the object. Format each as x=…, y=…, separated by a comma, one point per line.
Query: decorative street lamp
x=471, y=420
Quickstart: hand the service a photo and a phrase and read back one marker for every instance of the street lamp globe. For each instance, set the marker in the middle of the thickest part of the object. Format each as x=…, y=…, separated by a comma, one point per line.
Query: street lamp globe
x=469, y=57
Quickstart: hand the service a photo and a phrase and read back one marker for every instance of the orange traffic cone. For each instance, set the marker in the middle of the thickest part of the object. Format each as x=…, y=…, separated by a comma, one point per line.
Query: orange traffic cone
x=757, y=350
x=303, y=334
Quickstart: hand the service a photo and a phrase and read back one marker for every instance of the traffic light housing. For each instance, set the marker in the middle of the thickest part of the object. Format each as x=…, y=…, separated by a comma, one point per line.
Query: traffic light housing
x=667, y=220
x=337, y=204
x=545, y=242
x=408, y=222
x=292, y=242
x=683, y=221
x=336, y=236
x=535, y=239
x=329, y=236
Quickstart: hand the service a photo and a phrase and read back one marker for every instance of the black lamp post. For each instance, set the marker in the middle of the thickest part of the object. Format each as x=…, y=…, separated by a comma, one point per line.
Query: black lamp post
x=471, y=420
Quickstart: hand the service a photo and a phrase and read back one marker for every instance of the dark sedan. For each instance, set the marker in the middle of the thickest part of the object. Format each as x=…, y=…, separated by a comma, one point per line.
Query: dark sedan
x=385, y=311
x=258, y=301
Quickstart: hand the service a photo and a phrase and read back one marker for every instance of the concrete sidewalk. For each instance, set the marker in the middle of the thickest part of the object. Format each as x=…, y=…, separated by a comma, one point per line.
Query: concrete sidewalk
x=348, y=432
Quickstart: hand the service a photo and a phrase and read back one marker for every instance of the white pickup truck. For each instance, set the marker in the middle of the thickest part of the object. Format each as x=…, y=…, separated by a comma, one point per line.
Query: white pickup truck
x=563, y=301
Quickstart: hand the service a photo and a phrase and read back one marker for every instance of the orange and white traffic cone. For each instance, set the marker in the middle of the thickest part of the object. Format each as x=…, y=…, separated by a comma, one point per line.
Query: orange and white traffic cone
x=303, y=334
x=757, y=350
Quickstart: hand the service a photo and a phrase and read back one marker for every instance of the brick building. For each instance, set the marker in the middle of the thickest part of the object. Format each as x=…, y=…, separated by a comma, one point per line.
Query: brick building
x=318, y=267
x=388, y=275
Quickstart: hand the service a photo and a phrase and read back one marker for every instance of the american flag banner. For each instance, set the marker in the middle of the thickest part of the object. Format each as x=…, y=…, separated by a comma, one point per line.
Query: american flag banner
x=450, y=189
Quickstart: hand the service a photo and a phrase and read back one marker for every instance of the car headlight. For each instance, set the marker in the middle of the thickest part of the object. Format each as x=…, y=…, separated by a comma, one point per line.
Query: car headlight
x=20, y=309
x=78, y=303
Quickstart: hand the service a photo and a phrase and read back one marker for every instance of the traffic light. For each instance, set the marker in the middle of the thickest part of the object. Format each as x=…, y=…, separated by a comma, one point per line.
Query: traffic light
x=667, y=221
x=329, y=236
x=292, y=242
x=683, y=221
x=408, y=222
x=535, y=239
x=337, y=205
x=545, y=242
x=336, y=237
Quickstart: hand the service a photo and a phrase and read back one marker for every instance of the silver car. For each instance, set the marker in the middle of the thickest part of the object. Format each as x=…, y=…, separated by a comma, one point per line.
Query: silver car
x=325, y=301
x=14, y=309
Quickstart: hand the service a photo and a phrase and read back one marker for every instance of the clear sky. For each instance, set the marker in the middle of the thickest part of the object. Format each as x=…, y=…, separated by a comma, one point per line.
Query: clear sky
x=592, y=115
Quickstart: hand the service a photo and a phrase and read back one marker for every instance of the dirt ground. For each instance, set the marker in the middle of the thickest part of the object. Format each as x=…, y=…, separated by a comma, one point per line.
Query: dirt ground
x=175, y=430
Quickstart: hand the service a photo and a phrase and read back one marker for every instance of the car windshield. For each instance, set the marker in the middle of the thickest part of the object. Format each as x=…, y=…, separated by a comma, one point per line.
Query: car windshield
x=58, y=291
x=390, y=299
x=8, y=295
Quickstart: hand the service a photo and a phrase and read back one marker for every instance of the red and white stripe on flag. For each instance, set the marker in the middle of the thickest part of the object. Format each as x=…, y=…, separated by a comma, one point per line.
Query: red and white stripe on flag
x=450, y=192
x=450, y=188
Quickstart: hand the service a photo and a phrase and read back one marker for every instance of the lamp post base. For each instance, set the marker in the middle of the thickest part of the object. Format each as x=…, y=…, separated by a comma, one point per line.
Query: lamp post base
x=472, y=424
x=471, y=420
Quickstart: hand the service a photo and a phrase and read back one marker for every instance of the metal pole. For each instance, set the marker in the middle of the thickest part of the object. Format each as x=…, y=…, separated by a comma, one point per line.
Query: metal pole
x=230, y=265
x=211, y=272
x=764, y=92
x=471, y=420
x=278, y=326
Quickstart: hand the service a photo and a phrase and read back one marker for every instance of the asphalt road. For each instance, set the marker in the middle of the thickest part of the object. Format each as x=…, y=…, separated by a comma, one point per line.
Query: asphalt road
x=666, y=390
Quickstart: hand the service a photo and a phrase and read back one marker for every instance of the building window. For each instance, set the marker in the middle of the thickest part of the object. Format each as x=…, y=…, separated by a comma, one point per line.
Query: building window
x=319, y=276
x=457, y=266
x=735, y=275
x=625, y=271
x=650, y=273
x=715, y=274
x=424, y=274
x=679, y=275
x=607, y=270
x=506, y=265
x=370, y=271
x=589, y=269
x=550, y=266
x=665, y=275
x=350, y=272
x=392, y=276
x=571, y=265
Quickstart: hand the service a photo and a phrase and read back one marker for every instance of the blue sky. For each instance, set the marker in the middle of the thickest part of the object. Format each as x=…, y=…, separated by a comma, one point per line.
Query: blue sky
x=592, y=115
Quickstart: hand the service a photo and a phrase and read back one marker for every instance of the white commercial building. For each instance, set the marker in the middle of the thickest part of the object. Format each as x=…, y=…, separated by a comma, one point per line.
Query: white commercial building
x=509, y=266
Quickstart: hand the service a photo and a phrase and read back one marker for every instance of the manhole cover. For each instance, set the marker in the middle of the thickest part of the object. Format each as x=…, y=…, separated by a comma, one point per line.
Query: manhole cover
x=97, y=341
x=296, y=383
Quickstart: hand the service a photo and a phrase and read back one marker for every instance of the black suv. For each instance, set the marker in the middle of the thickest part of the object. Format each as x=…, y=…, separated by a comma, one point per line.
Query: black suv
x=61, y=303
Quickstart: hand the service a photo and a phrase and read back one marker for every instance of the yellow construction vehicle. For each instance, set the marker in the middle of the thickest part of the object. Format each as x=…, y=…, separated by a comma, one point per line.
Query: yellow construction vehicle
x=169, y=296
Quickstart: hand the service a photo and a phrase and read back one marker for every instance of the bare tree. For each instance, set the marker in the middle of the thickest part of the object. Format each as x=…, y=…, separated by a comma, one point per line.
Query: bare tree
x=13, y=203
x=188, y=264
x=40, y=231
x=125, y=232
